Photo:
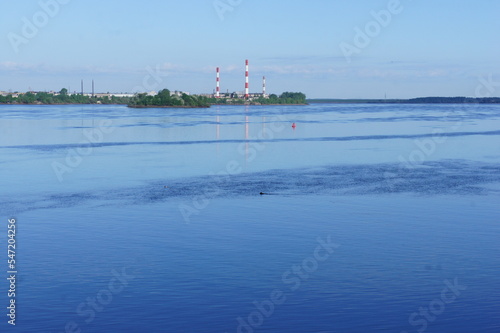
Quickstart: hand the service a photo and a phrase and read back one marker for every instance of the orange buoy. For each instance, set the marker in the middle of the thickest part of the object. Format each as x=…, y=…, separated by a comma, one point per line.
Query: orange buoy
x=293, y=125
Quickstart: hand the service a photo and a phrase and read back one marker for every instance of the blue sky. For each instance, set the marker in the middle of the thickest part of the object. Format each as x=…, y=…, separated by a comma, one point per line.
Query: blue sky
x=425, y=48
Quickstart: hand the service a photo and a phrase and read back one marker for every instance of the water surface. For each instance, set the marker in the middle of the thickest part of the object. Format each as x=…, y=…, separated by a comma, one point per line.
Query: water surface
x=170, y=199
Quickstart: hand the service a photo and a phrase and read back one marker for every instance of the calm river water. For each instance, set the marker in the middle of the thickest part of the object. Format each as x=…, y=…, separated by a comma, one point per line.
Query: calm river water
x=375, y=218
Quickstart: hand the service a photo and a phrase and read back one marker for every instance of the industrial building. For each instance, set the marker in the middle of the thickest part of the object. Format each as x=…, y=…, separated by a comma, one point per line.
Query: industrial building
x=241, y=95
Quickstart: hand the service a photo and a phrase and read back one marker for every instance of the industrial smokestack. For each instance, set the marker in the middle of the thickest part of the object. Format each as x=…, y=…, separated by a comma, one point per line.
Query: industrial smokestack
x=264, y=86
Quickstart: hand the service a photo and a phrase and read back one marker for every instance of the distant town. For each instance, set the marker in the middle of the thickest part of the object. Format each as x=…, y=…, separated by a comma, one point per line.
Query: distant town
x=162, y=98
x=31, y=97
x=167, y=98
x=108, y=95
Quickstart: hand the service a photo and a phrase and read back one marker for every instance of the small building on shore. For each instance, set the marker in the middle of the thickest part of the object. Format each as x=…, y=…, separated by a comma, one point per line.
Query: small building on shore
x=6, y=93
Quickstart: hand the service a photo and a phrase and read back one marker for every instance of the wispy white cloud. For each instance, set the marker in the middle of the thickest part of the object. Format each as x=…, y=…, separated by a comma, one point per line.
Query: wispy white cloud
x=16, y=66
x=303, y=59
x=40, y=68
x=384, y=73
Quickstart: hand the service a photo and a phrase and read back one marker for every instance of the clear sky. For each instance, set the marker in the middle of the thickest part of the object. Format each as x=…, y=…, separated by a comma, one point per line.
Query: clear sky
x=425, y=47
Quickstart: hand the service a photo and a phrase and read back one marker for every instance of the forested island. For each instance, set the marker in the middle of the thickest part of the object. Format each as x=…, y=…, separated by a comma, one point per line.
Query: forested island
x=286, y=98
x=163, y=99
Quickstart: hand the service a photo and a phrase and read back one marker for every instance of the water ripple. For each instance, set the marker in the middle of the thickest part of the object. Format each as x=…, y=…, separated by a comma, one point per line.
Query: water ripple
x=447, y=177
x=54, y=147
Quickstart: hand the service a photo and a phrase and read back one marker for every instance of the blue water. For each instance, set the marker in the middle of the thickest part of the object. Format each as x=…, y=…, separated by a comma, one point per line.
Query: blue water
x=152, y=220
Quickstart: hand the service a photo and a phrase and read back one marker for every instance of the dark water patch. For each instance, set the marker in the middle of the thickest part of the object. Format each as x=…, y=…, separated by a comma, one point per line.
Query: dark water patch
x=448, y=177
x=56, y=147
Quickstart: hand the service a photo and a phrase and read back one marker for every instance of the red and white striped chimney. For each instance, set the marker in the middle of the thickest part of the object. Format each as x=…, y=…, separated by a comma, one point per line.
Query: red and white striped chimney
x=247, y=93
x=217, y=89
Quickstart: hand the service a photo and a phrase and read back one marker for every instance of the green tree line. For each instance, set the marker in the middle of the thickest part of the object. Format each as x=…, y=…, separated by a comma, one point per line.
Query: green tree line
x=164, y=98
x=62, y=98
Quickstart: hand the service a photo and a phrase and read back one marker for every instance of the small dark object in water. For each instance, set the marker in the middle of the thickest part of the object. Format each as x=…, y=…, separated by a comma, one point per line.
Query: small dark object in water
x=262, y=193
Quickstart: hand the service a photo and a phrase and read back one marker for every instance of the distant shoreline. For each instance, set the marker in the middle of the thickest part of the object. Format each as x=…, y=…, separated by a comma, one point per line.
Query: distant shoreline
x=166, y=107
x=258, y=104
x=56, y=104
x=154, y=106
x=420, y=100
